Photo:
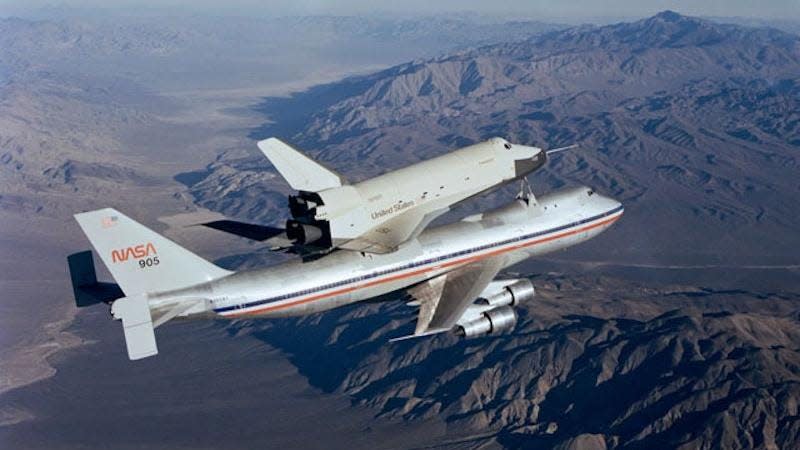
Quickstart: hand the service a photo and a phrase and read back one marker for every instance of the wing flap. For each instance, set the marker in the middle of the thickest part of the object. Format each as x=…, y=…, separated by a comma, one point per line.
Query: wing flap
x=428, y=295
x=444, y=299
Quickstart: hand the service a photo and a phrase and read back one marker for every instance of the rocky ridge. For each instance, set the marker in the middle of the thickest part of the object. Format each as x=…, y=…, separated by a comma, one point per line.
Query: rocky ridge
x=641, y=367
x=692, y=124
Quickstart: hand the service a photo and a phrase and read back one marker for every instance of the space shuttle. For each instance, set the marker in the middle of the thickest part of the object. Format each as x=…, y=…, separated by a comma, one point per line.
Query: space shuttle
x=380, y=214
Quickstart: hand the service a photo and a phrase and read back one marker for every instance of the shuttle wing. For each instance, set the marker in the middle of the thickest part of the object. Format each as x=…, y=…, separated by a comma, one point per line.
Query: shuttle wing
x=301, y=172
x=386, y=237
x=382, y=239
x=444, y=299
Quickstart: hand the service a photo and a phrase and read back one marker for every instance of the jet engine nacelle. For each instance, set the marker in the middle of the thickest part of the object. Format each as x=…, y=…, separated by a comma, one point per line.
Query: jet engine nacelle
x=493, y=321
x=513, y=294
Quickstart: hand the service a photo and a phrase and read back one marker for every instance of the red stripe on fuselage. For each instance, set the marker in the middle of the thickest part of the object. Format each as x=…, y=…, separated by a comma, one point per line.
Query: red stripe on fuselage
x=465, y=260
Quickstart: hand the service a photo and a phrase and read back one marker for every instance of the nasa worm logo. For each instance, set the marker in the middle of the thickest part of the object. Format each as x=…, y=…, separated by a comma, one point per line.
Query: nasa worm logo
x=141, y=252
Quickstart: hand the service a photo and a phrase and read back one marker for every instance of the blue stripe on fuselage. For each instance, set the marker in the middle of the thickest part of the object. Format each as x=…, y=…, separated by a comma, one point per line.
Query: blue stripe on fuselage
x=418, y=264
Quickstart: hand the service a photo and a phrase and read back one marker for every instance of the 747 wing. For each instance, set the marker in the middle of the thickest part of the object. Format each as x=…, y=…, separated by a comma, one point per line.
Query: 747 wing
x=444, y=299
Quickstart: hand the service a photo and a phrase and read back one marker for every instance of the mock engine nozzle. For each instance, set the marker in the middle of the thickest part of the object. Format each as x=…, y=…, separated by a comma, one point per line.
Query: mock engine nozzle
x=303, y=204
x=303, y=233
x=528, y=165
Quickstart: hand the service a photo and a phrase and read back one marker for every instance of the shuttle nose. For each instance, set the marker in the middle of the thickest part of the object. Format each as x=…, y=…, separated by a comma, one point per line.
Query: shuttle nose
x=529, y=159
x=527, y=151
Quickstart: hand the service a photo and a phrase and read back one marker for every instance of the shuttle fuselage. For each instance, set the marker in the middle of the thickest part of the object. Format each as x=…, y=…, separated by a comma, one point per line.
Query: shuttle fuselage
x=379, y=214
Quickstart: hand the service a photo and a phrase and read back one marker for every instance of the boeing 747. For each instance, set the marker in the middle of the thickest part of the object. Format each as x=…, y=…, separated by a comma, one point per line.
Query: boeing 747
x=448, y=270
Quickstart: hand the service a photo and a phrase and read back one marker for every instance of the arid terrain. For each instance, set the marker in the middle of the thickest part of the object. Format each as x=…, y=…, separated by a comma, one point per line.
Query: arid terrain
x=94, y=114
x=675, y=329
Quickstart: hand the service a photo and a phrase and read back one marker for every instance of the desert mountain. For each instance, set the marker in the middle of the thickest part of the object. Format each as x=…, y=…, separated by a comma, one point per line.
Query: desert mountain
x=592, y=364
x=102, y=109
x=692, y=124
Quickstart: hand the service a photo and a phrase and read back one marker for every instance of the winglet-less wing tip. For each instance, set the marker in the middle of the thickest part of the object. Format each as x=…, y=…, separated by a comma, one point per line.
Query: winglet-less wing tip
x=412, y=336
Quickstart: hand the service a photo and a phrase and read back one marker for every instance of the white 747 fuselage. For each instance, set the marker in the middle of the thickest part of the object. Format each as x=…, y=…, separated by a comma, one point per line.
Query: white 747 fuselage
x=516, y=232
